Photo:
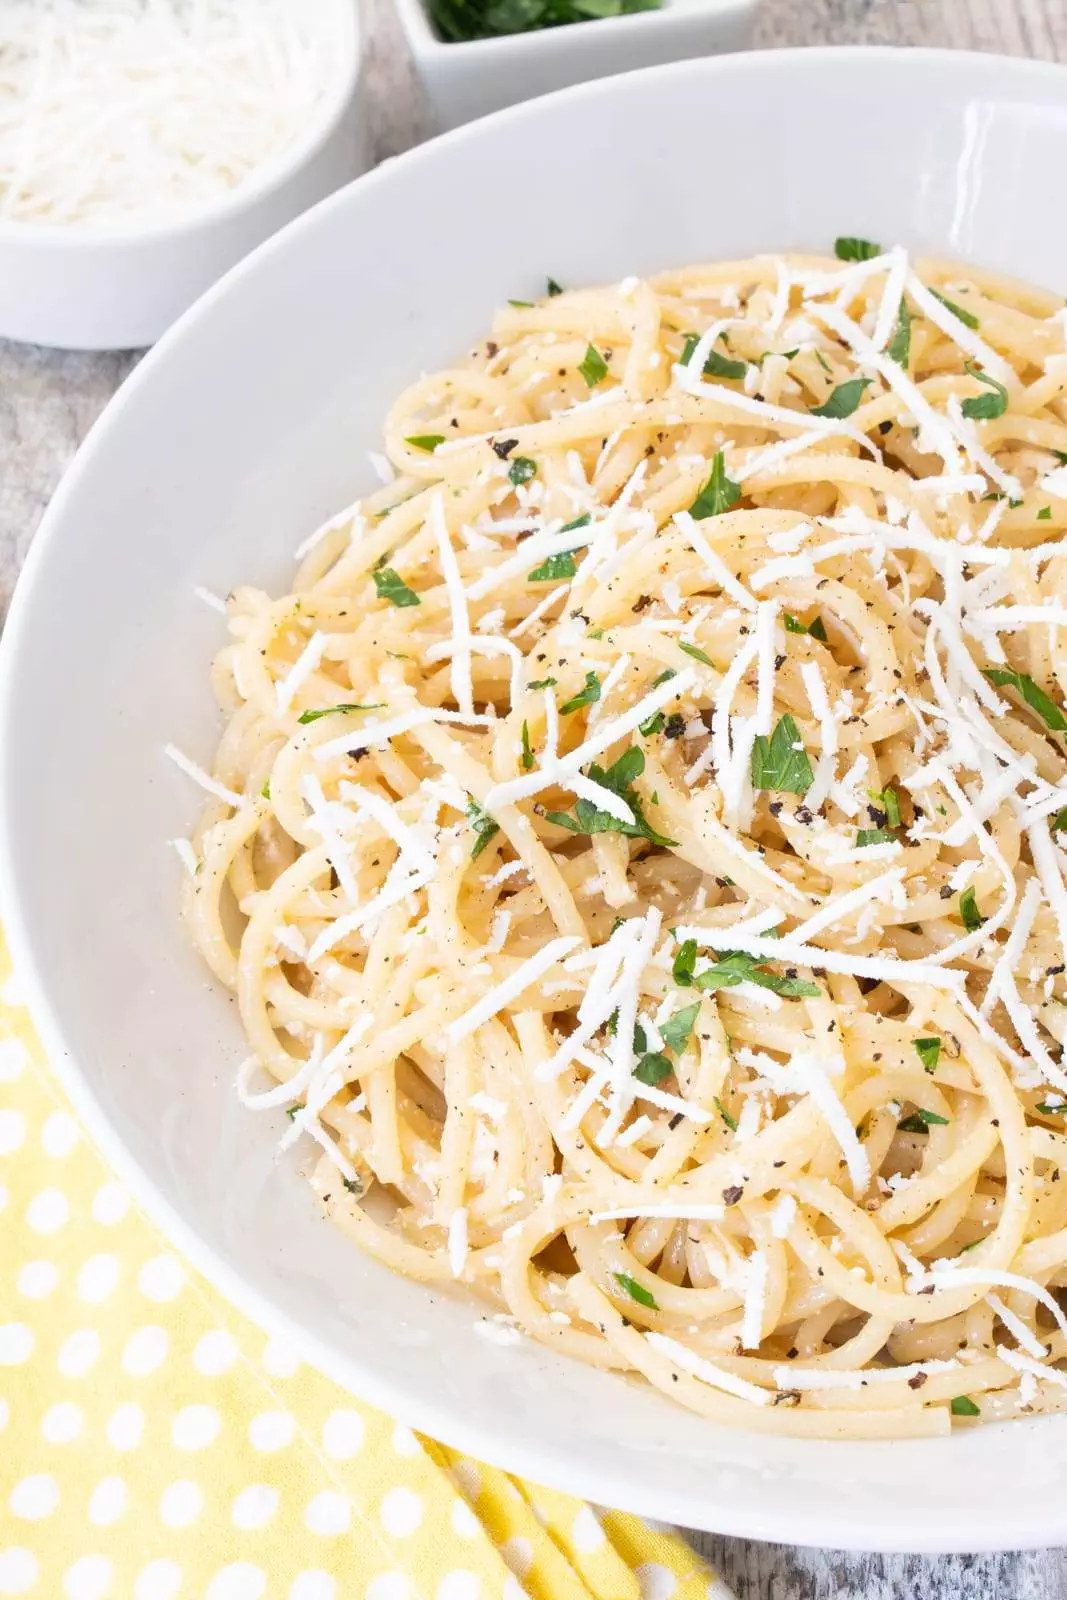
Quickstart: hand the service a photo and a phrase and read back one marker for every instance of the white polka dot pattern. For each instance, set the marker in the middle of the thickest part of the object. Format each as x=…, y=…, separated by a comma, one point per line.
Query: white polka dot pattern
x=157, y=1446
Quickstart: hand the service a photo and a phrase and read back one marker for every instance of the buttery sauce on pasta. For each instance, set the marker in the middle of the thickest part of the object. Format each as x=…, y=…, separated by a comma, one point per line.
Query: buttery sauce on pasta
x=637, y=843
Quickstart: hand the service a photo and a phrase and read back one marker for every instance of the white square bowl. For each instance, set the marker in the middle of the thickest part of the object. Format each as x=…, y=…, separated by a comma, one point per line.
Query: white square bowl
x=467, y=80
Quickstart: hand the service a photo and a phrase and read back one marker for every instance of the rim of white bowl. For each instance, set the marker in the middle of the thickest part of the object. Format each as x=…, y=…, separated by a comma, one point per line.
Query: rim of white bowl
x=263, y=180
x=1011, y=1527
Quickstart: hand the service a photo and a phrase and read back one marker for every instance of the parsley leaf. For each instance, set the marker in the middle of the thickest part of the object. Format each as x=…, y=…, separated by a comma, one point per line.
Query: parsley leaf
x=619, y=778
x=527, y=751
x=521, y=470
x=521, y=305
x=1059, y=821
x=848, y=249
x=735, y=967
x=816, y=628
x=844, y=399
x=579, y=522
x=585, y=697
x=652, y=1068
x=553, y=287
x=696, y=653
x=684, y=964
x=676, y=1030
x=543, y=683
x=972, y=917
x=483, y=825
x=716, y=366
x=593, y=367
x=635, y=1291
x=964, y=1406
x=1032, y=693
x=899, y=347
x=391, y=587
x=922, y=1120
x=1045, y=514
x=265, y=791
x=868, y=836
x=968, y=318
x=557, y=566
x=887, y=800
x=929, y=1052
x=984, y=407
x=776, y=762
x=718, y=494
x=332, y=711
x=1048, y=1110
x=426, y=441
x=724, y=1114
x=651, y=725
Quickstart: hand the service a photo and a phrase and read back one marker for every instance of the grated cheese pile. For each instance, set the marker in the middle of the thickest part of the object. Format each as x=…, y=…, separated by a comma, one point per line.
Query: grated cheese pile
x=115, y=112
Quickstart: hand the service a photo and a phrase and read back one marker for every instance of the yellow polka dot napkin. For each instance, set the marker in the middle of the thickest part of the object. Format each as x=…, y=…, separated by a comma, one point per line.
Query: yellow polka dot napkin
x=155, y=1445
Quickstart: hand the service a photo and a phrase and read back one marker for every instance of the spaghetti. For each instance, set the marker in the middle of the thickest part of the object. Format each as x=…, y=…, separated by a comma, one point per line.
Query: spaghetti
x=638, y=841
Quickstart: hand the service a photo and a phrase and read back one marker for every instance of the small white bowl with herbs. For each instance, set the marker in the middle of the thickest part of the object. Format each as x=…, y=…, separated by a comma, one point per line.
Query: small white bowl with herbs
x=475, y=56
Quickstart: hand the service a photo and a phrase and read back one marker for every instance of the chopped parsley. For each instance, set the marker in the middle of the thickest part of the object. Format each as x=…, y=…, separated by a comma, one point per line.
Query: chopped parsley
x=265, y=791
x=554, y=568
x=724, y=1114
x=579, y=522
x=1059, y=821
x=585, y=697
x=527, y=751
x=652, y=1068
x=844, y=399
x=716, y=366
x=718, y=494
x=1032, y=693
x=968, y=318
x=619, y=778
x=332, y=711
x=696, y=653
x=887, y=800
x=684, y=964
x=848, y=249
x=426, y=441
x=652, y=724
x=593, y=367
x=816, y=628
x=483, y=825
x=964, y=1406
x=899, y=346
x=1048, y=1110
x=391, y=587
x=1045, y=514
x=868, y=836
x=972, y=917
x=635, y=1291
x=676, y=1031
x=735, y=966
x=553, y=287
x=781, y=762
x=984, y=407
x=521, y=470
x=921, y=1121
x=521, y=305
x=929, y=1052
x=543, y=683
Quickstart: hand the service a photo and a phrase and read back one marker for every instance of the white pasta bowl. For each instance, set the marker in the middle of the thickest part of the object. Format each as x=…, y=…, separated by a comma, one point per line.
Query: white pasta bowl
x=249, y=424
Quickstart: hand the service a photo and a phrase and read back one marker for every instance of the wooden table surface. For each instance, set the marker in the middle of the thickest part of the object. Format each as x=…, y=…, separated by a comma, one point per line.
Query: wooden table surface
x=49, y=399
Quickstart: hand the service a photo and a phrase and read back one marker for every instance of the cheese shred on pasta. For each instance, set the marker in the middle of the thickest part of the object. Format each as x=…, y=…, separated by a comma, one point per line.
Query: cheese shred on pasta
x=638, y=842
